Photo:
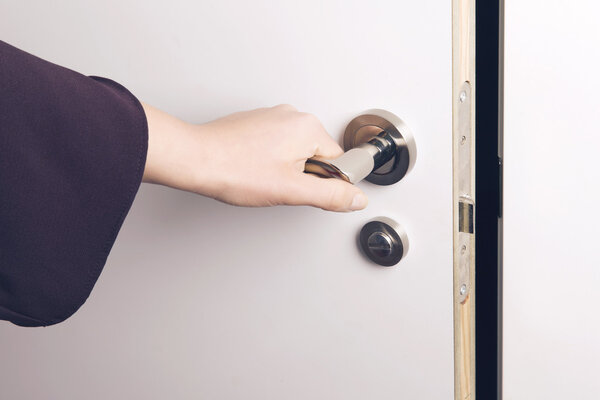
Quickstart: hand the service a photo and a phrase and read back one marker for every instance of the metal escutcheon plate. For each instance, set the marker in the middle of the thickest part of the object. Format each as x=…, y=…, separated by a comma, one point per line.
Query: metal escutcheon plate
x=384, y=241
x=368, y=125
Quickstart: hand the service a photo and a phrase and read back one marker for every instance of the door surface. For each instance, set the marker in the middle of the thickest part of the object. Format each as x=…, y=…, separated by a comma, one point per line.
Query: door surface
x=203, y=300
x=551, y=274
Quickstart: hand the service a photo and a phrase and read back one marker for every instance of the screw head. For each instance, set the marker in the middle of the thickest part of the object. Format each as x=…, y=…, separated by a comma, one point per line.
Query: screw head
x=463, y=289
x=462, y=96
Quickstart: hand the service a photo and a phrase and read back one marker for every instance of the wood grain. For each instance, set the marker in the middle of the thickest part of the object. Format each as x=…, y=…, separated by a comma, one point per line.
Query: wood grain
x=463, y=70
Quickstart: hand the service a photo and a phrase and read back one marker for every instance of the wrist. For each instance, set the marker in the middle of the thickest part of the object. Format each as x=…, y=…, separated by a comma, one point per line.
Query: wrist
x=173, y=146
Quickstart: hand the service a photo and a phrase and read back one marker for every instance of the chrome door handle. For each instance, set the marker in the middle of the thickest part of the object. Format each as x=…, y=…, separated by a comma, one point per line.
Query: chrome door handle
x=379, y=147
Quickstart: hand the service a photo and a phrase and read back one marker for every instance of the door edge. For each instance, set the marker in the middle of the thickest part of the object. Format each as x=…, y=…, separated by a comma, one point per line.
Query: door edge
x=477, y=134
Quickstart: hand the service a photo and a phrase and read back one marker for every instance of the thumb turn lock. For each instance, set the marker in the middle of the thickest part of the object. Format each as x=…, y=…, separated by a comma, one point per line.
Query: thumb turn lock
x=379, y=147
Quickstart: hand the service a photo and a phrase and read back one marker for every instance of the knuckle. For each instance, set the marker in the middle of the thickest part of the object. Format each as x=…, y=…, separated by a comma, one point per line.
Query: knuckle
x=285, y=107
x=309, y=119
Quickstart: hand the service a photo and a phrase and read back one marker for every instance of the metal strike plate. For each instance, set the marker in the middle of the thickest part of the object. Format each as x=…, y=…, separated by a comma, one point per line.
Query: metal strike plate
x=466, y=204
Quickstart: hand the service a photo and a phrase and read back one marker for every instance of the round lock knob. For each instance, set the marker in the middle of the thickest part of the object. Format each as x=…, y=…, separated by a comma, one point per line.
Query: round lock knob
x=379, y=147
x=384, y=241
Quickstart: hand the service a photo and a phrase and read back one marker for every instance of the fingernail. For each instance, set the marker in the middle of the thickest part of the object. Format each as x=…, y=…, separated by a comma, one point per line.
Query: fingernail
x=359, y=202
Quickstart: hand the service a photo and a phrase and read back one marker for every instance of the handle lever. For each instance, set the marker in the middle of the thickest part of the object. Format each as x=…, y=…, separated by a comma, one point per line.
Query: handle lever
x=356, y=164
x=379, y=147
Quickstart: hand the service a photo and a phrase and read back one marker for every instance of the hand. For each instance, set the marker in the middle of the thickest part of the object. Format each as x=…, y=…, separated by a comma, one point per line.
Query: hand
x=250, y=158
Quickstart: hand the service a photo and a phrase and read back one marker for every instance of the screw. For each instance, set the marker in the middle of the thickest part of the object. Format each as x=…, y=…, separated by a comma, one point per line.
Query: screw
x=463, y=139
x=463, y=289
x=463, y=249
x=462, y=96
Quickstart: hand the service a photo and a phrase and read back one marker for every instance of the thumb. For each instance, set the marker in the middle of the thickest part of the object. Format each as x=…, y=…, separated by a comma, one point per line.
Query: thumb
x=326, y=193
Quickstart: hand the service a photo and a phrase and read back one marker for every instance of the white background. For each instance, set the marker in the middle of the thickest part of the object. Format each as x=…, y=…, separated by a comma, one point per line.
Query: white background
x=552, y=175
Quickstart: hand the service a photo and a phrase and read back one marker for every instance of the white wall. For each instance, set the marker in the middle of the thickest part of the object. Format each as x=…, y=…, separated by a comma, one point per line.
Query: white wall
x=552, y=194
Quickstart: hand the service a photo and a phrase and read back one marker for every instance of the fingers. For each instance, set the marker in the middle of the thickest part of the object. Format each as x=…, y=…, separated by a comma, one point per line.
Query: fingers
x=312, y=139
x=313, y=134
x=325, y=146
x=328, y=194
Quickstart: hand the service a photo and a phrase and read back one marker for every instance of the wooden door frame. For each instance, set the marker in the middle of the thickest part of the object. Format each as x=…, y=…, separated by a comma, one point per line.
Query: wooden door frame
x=477, y=58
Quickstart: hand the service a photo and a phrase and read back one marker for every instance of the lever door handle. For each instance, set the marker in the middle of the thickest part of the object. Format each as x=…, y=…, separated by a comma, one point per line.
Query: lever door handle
x=379, y=147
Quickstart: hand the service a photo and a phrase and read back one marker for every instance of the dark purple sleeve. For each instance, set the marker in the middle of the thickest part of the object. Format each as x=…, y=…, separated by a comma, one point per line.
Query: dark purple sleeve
x=72, y=156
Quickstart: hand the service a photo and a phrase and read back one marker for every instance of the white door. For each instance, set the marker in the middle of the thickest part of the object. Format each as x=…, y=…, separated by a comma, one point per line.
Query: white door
x=201, y=300
x=551, y=267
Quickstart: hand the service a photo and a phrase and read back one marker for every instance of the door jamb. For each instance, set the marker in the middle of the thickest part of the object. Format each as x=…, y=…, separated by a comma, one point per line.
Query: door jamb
x=477, y=58
x=489, y=63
